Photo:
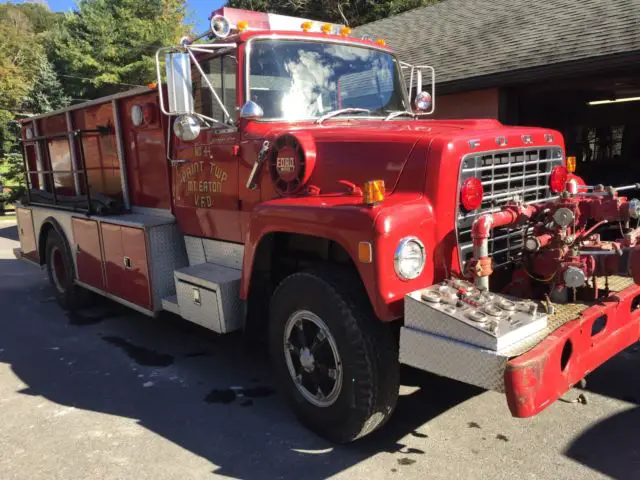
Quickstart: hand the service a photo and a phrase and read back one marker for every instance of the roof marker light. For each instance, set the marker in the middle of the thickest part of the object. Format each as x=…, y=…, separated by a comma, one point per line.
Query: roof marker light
x=326, y=28
x=381, y=42
x=242, y=25
x=306, y=26
x=345, y=31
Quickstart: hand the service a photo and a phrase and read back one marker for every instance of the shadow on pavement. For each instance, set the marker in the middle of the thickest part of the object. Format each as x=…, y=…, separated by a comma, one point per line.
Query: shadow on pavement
x=611, y=447
x=8, y=230
x=207, y=393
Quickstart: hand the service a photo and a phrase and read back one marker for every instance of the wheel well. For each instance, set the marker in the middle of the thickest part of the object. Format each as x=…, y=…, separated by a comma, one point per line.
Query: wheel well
x=49, y=225
x=42, y=241
x=280, y=254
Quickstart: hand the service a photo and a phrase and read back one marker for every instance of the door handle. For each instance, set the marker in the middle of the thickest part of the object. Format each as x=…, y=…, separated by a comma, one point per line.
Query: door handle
x=127, y=263
x=175, y=163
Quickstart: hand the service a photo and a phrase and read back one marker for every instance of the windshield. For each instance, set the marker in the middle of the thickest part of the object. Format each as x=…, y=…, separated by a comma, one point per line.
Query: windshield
x=297, y=79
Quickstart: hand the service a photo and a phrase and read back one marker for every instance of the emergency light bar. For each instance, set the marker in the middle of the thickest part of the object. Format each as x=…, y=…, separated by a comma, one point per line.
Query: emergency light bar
x=241, y=20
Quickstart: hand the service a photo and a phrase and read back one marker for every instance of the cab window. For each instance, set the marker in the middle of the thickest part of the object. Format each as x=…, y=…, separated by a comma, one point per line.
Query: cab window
x=221, y=73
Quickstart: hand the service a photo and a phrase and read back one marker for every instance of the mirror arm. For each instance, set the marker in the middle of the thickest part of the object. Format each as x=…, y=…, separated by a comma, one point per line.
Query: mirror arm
x=204, y=75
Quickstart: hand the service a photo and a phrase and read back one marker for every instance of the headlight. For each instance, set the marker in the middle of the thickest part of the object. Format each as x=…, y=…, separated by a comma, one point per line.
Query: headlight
x=409, y=258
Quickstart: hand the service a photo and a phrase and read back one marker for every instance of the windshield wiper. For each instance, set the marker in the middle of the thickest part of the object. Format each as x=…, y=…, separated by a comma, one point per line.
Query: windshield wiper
x=335, y=113
x=399, y=113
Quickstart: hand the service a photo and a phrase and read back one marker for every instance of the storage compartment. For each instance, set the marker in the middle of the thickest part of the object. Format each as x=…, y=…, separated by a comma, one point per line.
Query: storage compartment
x=199, y=305
x=208, y=295
x=88, y=254
x=125, y=259
x=26, y=233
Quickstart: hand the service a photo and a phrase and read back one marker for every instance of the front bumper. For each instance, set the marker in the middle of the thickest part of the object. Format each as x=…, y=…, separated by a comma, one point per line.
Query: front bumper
x=531, y=378
x=536, y=379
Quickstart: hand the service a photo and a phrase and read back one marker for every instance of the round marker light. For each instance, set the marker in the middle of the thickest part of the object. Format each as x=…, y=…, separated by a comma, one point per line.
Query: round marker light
x=381, y=42
x=326, y=28
x=471, y=194
x=306, y=26
x=558, y=179
x=409, y=258
x=345, y=31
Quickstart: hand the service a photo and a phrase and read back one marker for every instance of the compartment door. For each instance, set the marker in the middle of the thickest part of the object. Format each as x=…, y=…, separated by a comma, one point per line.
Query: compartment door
x=135, y=265
x=26, y=234
x=113, y=258
x=88, y=254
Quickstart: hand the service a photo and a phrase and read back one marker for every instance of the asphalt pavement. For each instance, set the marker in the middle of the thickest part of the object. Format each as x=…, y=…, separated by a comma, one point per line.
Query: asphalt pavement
x=109, y=393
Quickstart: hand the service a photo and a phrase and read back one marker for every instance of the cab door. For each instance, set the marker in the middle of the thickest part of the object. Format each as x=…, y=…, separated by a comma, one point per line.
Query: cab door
x=205, y=171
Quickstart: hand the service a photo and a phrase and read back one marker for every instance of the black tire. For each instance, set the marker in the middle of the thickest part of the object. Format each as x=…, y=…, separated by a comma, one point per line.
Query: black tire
x=367, y=349
x=61, y=273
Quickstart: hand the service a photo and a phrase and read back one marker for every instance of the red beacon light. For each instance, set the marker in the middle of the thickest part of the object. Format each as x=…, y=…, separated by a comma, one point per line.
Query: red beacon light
x=558, y=179
x=471, y=194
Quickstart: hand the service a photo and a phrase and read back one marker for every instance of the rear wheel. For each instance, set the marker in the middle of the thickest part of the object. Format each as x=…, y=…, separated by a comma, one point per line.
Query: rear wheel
x=336, y=362
x=61, y=274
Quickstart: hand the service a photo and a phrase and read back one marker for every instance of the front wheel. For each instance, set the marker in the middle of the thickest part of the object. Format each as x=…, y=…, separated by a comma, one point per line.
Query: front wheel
x=336, y=362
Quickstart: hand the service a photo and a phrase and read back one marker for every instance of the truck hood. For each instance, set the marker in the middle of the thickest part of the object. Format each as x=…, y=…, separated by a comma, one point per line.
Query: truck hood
x=357, y=151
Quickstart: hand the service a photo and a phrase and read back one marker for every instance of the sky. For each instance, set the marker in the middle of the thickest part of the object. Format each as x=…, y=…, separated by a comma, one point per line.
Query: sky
x=199, y=10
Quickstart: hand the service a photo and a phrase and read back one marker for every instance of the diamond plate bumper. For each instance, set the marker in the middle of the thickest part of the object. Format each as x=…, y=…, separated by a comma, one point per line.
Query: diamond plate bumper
x=537, y=378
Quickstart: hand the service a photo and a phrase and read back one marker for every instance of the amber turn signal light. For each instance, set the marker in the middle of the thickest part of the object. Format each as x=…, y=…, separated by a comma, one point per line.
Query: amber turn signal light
x=373, y=191
x=365, y=252
x=571, y=164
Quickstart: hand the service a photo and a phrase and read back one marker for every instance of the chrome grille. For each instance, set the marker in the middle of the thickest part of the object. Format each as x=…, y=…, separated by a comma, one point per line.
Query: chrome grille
x=505, y=175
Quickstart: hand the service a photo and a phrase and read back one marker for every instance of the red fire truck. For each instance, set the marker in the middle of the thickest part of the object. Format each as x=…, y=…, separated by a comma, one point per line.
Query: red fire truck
x=285, y=177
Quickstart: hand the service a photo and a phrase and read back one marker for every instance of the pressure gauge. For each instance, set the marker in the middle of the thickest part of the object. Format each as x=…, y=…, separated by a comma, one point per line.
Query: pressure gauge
x=137, y=115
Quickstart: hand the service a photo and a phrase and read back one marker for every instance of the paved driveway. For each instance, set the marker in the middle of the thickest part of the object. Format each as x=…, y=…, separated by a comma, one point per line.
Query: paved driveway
x=112, y=394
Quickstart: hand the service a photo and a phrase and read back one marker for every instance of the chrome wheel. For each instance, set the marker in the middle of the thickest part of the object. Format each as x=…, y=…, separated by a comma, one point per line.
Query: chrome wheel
x=312, y=358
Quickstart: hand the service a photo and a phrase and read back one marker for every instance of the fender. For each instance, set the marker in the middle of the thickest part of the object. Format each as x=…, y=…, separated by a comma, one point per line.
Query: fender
x=42, y=242
x=346, y=221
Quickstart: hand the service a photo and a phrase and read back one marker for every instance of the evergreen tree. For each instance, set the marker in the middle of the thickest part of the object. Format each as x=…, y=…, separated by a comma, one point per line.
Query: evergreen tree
x=109, y=45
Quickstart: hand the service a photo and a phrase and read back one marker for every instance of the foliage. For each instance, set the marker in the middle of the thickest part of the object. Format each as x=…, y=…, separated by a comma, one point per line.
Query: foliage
x=351, y=12
x=109, y=44
x=28, y=82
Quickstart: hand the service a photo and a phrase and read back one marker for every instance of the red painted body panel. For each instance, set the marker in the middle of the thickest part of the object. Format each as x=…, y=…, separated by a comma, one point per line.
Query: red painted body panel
x=145, y=153
x=536, y=379
x=88, y=252
x=132, y=283
x=26, y=233
x=100, y=151
x=206, y=186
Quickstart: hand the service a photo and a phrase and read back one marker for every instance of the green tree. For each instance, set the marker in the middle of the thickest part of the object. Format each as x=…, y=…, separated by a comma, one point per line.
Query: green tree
x=352, y=12
x=28, y=83
x=109, y=45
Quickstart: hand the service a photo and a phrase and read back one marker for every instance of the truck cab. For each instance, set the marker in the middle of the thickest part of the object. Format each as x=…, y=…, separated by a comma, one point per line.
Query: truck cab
x=285, y=176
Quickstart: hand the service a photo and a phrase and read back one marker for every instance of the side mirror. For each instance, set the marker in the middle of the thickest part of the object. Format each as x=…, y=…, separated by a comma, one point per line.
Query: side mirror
x=423, y=102
x=187, y=127
x=251, y=111
x=179, y=86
